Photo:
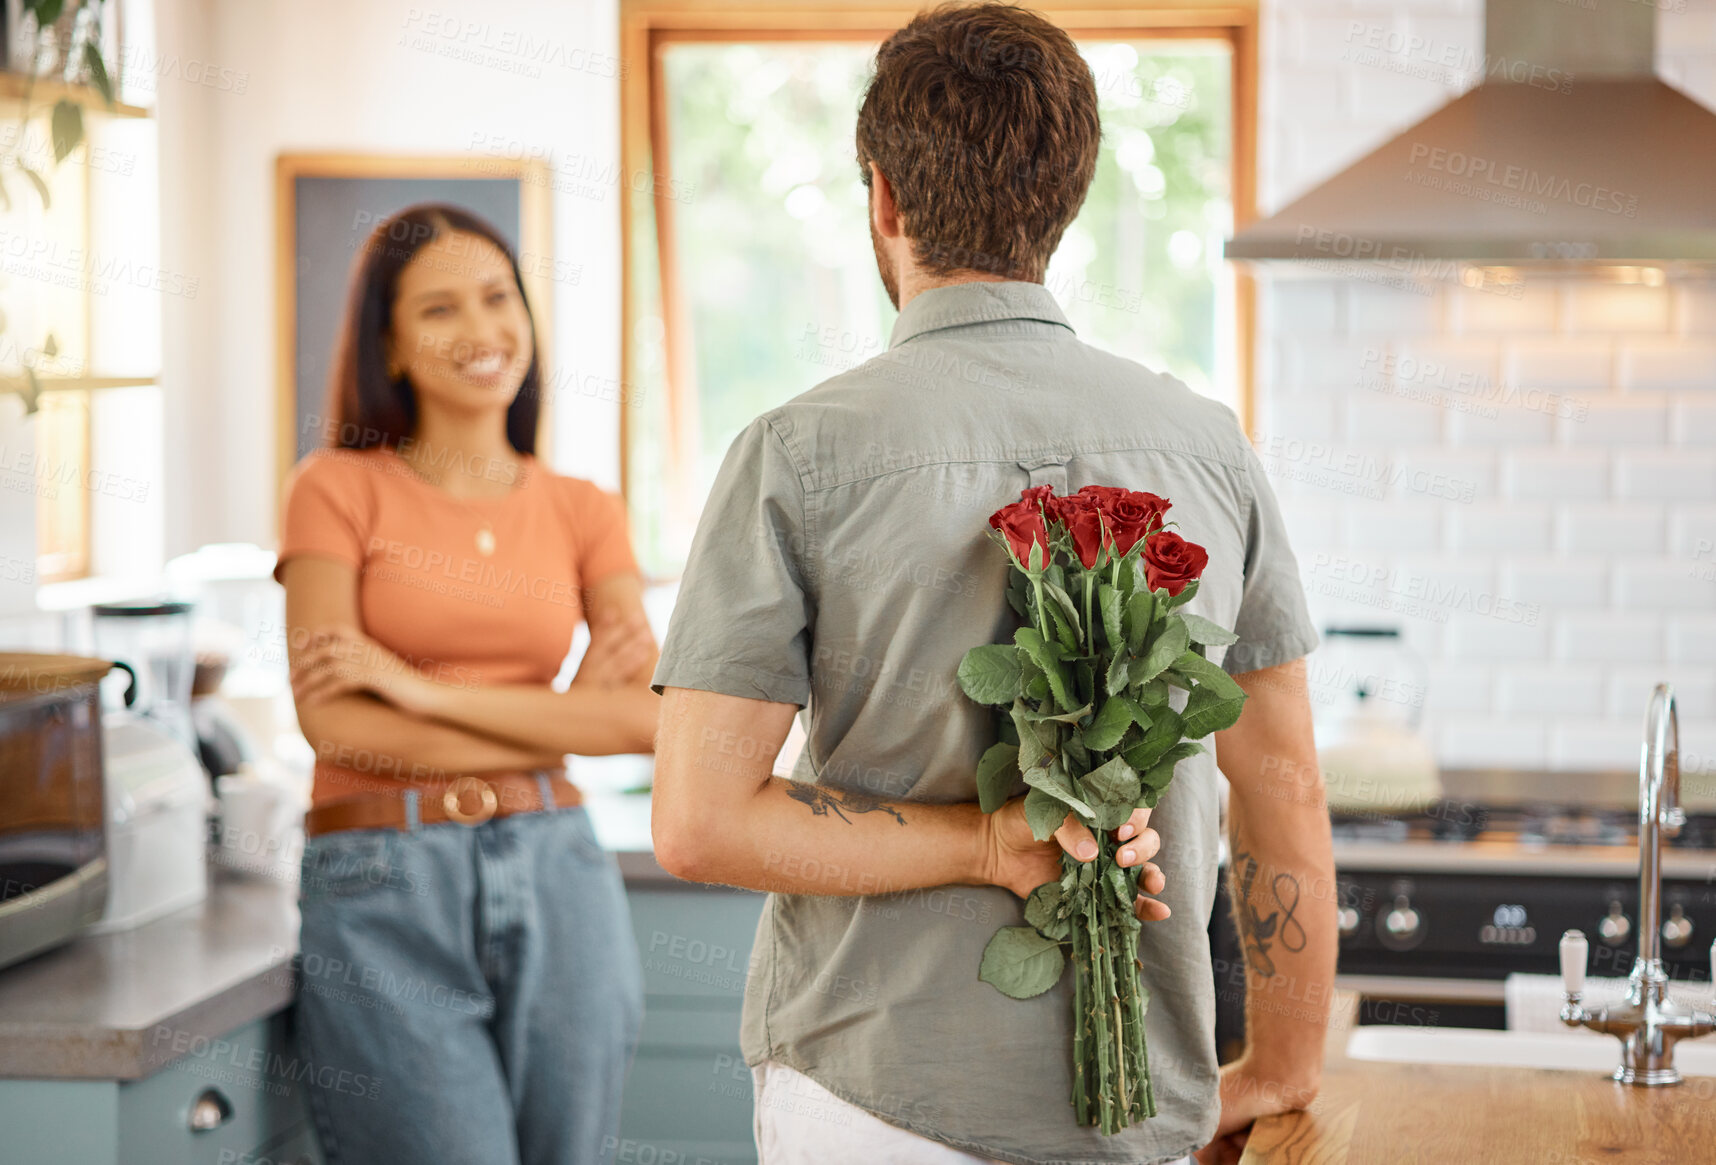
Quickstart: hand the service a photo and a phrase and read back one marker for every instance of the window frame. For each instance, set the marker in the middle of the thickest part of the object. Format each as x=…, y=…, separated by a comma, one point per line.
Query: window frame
x=648, y=27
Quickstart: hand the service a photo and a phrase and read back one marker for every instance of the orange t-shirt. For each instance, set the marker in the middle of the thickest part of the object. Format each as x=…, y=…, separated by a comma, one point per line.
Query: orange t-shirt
x=425, y=590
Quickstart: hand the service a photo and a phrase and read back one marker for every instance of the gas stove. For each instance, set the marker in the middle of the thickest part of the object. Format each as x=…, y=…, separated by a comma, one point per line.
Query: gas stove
x=1437, y=907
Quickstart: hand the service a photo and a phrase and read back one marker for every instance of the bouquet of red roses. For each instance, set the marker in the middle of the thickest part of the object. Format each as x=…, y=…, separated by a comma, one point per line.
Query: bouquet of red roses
x=1091, y=729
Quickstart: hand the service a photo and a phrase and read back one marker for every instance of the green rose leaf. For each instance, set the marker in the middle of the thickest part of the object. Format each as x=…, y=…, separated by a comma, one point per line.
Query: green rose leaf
x=1048, y=657
x=1113, y=606
x=1167, y=646
x=1043, y=910
x=1054, y=781
x=1208, y=675
x=1209, y=634
x=990, y=674
x=1034, y=750
x=1064, y=603
x=1123, y=893
x=1165, y=732
x=1140, y=613
x=1207, y=711
x=1163, y=770
x=1044, y=813
x=1020, y=963
x=1183, y=597
x=1118, y=673
x=1152, y=692
x=996, y=773
x=1114, y=788
x=1117, y=715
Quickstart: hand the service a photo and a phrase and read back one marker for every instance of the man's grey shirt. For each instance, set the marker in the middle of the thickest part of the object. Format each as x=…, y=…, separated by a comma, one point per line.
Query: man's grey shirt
x=842, y=563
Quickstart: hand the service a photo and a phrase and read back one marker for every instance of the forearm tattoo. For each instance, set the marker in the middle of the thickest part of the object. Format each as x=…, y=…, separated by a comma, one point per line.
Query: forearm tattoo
x=1259, y=932
x=839, y=802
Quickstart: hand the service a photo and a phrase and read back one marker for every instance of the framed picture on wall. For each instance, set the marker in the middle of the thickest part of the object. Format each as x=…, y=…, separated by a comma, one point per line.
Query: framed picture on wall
x=326, y=207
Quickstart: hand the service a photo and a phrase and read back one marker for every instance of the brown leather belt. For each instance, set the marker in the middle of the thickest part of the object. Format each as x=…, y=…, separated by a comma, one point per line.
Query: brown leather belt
x=466, y=800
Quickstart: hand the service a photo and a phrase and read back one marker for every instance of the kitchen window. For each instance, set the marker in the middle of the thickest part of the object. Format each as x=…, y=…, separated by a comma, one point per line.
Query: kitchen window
x=749, y=271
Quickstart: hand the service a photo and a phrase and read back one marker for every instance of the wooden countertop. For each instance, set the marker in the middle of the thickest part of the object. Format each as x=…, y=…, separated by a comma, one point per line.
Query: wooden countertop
x=1370, y=1113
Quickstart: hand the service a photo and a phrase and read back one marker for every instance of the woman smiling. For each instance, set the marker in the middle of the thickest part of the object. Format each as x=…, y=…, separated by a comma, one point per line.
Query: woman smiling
x=466, y=948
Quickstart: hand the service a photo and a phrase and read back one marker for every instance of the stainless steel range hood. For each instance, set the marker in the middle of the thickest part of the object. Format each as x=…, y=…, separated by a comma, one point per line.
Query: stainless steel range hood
x=1570, y=150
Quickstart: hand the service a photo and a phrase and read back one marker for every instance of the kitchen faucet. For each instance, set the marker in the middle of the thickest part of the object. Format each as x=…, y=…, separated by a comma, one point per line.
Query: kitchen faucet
x=1647, y=1023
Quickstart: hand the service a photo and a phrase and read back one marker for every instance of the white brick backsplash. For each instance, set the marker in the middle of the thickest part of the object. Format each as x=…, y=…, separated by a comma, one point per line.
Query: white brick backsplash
x=1548, y=690
x=1381, y=417
x=1450, y=477
x=1692, y=639
x=1694, y=690
x=1560, y=365
x=1557, y=583
x=1305, y=416
x=1305, y=307
x=1696, y=305
x=1479, y=312
x=1471, y=740
x=1324, y=365
x=1377, y=307
x=1509, y=425
x=1692, y=533
x=1555, y=475
x=1460, y=687
x=1663, y=585
x=1666, y=365
x=1668, y=477
x=1607, y=636
x=1618, y=307
x=1392, y=526
x=1609, y=529
x=1312, y=523
x=1594, y=745
x=1474, y=636
x=1613, y=420
x=1522, y=528
x=1694, y=421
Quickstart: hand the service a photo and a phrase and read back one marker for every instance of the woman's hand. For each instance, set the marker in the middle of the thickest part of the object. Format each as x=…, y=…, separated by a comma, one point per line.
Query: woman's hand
x=341, y=659
x=1014, y=858
x=621, y=652
x=1250, y=1092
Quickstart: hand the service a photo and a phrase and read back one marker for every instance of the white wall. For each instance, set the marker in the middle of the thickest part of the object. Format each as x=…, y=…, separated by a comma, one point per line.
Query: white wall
x=1553, y=560
x=336, y=76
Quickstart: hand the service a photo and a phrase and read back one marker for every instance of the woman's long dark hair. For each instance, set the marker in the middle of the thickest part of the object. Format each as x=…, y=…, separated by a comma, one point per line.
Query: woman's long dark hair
x=366, y=406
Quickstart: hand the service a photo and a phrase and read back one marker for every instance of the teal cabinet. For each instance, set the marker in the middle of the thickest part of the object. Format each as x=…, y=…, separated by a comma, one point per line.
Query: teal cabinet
x=235, y=1100
x=688, y=1098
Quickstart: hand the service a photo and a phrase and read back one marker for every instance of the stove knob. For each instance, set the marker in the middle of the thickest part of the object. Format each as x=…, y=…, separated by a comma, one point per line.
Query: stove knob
x=1402, y=922
x=1348, y=919
x=1677, y=931
x=1614, y=928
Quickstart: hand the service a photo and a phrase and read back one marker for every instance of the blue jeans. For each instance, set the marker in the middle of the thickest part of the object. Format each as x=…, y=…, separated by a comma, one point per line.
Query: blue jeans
x=469, y=995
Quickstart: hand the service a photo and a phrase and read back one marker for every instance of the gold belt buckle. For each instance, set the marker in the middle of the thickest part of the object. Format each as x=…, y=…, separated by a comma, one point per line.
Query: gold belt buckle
x=453, y=796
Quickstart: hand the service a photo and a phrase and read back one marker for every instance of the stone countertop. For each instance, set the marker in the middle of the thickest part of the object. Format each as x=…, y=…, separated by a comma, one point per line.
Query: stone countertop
x=118, y=1006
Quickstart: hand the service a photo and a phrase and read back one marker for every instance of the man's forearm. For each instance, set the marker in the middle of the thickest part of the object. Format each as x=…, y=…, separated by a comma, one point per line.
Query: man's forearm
x=1283, y=895
x=1283, y=877
x=797, y=838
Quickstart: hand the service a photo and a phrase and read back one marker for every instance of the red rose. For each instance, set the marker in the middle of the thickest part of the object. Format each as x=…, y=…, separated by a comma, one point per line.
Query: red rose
x=1172, y=562
x=1082, y=515
x=1021, y=523
x=1131, y=514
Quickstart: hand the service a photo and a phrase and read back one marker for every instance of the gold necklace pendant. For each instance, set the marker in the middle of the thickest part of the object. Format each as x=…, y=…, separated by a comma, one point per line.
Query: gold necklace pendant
x=485, y=542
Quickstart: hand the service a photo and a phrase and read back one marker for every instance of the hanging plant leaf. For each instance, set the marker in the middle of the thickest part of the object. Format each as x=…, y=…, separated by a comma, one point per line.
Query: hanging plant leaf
x=93, y=63
x=66, y=124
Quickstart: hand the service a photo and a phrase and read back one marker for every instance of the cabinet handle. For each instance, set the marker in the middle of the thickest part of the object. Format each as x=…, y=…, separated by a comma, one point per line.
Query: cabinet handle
x=209, y=1111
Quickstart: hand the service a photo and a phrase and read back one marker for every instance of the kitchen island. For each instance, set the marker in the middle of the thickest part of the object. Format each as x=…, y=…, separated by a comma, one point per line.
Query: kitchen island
x=1374, y=1113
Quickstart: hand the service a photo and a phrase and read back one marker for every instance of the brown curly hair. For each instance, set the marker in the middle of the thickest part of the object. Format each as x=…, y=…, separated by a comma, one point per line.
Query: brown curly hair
x=982, y=117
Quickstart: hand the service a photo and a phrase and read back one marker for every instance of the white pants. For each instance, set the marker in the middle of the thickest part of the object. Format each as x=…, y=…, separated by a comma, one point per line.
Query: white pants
x=799, y=1122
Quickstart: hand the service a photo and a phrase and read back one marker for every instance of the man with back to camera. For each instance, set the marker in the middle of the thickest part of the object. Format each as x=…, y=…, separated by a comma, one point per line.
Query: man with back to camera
x=842, y=564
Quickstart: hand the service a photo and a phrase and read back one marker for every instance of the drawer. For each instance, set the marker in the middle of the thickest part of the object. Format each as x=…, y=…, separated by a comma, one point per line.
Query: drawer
x=218, y=1101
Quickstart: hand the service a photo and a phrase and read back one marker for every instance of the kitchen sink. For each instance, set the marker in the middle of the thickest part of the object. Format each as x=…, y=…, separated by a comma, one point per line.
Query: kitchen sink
x=1574, y=1051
